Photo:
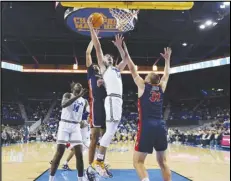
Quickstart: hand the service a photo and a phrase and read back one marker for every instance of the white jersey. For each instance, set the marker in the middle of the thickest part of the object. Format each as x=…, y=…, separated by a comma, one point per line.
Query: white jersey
x=74, y=112
x=112, y=80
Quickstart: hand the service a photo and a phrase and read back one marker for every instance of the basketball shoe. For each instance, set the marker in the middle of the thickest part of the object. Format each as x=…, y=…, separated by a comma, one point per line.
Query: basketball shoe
x=66, y=167
x=100, y=168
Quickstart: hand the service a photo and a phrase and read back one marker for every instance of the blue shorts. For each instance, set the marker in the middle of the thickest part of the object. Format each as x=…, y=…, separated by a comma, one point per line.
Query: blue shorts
x=151, y=135
x=97, y=114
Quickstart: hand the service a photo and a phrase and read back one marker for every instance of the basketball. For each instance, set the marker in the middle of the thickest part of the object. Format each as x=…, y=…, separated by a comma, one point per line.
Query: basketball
x=97, y=20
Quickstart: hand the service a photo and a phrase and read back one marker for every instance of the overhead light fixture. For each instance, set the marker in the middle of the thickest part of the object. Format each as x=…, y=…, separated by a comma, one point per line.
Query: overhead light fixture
x=154, y=68
x=214, y=23
x=219, y=90
x=75, y=66
x=226, y=3
x=184, y=44
x=202, y=26
x=222, y=6
x=209, y=22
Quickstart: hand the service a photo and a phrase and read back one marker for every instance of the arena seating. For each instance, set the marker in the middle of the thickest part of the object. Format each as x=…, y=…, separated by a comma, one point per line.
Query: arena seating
x=213, y=114
x=36, y=109
x=10, y=111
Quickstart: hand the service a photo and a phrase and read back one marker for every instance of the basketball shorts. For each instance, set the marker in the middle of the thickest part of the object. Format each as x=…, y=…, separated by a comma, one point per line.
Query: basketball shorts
x=69, y=133
x=151, y=136
x=97, y=114
x=113, y=108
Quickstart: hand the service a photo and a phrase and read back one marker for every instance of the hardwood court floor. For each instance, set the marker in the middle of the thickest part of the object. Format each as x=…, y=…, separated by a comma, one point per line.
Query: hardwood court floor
x=24, y=162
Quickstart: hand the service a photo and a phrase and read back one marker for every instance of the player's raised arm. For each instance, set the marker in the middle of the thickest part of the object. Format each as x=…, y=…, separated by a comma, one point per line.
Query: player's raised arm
x=68, y=99
x=166, y=55
x=96, y=43
x=118, y=43
x=87, y=106
x=137, y=79
x=88, y=54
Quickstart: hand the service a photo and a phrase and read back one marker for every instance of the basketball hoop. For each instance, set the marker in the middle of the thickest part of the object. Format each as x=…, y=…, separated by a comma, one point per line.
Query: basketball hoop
x=124, y=18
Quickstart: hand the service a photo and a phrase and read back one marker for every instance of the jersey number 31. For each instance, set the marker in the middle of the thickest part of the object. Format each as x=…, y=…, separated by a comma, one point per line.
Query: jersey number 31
x=155, y=96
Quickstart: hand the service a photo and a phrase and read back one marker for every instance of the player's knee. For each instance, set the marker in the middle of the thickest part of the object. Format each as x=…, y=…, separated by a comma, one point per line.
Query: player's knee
x=106, y=139
x=79, y=157
x=162, y=162
x=95, y=136
x=94, y=139
x=60, y=149
x=137, y=162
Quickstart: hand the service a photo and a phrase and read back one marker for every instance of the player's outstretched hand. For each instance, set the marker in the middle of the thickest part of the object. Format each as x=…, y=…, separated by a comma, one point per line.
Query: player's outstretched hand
x=100, y=82
x=167, y=53
x=82, y=92
x=118, y=40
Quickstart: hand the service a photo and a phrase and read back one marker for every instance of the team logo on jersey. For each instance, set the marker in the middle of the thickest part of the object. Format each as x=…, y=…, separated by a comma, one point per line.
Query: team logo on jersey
x=155, y=96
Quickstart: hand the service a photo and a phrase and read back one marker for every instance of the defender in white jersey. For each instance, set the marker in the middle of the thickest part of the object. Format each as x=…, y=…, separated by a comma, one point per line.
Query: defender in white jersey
x=113, y=102
x=85, y=133
x=69, y=129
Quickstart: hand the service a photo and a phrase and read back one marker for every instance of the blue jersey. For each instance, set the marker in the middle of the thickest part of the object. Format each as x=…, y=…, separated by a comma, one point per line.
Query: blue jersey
x=96, y=93
x=150, y=104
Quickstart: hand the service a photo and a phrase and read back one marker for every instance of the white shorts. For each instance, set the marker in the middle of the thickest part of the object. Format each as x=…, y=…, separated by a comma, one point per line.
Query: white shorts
x=69, y=133
x=113, y=108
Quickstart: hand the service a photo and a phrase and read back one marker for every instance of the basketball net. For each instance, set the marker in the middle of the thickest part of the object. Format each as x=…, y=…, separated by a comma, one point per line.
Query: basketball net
x=124, y=18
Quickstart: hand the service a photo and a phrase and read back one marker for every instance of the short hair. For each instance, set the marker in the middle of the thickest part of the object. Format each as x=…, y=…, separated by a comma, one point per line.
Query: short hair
x=73, y=85
x=109, y=55
x=154, y=78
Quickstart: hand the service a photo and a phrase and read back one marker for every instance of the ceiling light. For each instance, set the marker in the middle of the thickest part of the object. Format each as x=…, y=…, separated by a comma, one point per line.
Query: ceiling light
x=184, y=44
x=209, y=22
x=154, y=68
x=75, y=66
x=222, y=6
x=202, y=26
x=214, y=23
x=226, y=3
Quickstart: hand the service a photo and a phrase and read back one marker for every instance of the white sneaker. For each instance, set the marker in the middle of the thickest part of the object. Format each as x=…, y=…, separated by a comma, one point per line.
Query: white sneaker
x=100, y=169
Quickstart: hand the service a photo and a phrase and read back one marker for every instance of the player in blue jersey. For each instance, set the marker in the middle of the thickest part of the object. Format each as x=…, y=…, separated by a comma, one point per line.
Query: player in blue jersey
x=97, y=117
x=152, y=133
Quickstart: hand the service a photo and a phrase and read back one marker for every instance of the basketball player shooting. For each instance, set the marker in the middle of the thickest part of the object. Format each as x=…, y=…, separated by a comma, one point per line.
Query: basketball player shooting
x=152, y=131
x=113, y=102
x=72, y=105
